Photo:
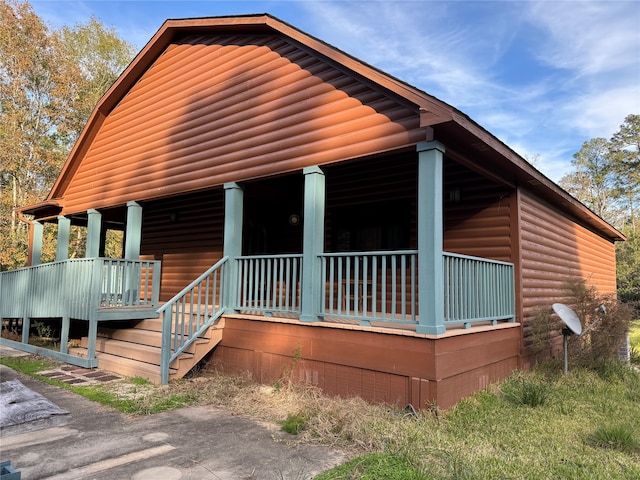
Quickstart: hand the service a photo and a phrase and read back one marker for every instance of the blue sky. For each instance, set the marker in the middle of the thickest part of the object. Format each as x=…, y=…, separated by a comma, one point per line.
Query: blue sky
x=542, y=76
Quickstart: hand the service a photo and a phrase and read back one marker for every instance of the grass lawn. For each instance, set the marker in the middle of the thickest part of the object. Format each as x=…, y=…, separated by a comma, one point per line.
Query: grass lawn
x=584, y=426
x=534, y=425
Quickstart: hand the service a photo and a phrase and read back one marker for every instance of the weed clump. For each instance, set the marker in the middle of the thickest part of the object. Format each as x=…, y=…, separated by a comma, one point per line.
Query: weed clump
x=527, y=391
x=294, y=423
x=618, y=437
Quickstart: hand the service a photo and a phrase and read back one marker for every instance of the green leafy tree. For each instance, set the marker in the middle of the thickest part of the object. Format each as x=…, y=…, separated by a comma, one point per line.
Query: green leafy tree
x=94, y=56
x=607, y=179
x=29, y=156
x=594, y=181
x=625, y=155
x=49, y=83
x=625, y=160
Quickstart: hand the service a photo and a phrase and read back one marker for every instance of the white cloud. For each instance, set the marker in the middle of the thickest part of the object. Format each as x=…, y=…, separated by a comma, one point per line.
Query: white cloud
x=600, y=113
x=588, y=37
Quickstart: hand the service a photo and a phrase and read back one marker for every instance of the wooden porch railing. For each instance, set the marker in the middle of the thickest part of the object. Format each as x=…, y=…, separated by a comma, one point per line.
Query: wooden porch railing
x=78, y=288
x=90, y=289
x=379, y=286
x=371, y=286
x=190, y=313
x=269, y=283
x=477, y=290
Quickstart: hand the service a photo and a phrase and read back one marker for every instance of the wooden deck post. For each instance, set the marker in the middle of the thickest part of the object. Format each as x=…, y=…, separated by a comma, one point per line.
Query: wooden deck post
x=62, y=248
x=312, y=244
x=233, y=213
x=94, y=227
x=430, y=234
x=36, y=243
x=133, y=234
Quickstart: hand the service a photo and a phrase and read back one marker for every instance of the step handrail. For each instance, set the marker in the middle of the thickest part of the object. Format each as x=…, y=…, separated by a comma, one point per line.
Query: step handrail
x=181, y=316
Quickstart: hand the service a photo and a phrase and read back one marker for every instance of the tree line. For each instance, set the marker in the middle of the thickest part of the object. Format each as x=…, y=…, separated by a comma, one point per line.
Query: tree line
x=50, y=80
x=606, y=178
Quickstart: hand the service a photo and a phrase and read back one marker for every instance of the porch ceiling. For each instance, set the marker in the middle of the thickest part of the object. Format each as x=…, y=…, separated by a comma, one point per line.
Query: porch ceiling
x=478, y=150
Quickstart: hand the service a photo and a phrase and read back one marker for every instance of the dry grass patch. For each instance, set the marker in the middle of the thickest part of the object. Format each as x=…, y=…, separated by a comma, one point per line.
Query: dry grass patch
x=346, y=423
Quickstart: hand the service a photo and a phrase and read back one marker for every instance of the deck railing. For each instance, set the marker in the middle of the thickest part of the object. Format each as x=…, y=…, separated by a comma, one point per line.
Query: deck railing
x=269, y=283
x=127, y=283
x=371, y=286
x=77, y=288
x=477, y=290
x=190, y=313
x=90, y=289
x=380, y=286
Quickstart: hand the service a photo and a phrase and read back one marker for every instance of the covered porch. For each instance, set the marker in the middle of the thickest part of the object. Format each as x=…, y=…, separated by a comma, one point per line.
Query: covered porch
x=411, y=286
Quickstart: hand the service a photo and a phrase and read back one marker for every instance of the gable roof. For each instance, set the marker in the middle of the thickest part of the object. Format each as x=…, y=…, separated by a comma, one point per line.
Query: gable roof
x=447, y=124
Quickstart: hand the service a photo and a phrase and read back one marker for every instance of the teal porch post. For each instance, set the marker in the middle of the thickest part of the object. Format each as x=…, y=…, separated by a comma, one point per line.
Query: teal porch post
x=62, y=253
x=430, y=234
x=94, y=227
x=62, y=248
x=36, y=243
x=133, y=235
x=312, y=244
x=35, y=259
x=233, y=214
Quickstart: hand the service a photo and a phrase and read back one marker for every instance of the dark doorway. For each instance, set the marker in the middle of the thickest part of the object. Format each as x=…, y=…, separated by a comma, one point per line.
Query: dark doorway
x=273, y=216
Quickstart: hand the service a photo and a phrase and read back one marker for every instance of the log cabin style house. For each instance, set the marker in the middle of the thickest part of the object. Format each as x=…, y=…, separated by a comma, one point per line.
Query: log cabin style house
x=285, y=203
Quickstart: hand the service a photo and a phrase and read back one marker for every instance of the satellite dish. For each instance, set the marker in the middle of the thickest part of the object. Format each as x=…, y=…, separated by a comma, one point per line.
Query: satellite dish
x=569, y=317
x=573, y=325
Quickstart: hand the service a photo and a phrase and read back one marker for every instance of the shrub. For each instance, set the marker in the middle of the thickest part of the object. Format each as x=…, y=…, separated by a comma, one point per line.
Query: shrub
x=602, y=334
x=544, y=328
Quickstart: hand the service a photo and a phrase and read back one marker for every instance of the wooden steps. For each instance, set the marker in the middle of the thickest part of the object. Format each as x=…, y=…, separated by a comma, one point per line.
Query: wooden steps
x=135, y=351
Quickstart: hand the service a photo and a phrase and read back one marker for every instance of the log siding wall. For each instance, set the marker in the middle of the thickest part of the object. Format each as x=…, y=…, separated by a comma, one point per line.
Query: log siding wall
x=228, y=108
x=479, y=223
x=554, y=250
x=185, y=233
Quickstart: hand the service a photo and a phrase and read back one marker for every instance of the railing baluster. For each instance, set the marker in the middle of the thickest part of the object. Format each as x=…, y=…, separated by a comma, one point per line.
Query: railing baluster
x=355, y=284
x=295, y=301
x=288, y=298
x=403, y=281
x=413, y=287
x=281, y=263
x=383, y=277
x=332, y=284
x=394, y=292
x=374, y=286
x=323, y=275
x=339, y=285
x=251, y=286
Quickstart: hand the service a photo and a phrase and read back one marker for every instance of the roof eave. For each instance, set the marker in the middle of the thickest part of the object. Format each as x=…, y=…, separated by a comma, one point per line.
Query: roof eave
x=46, y=209
x=534, y=178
